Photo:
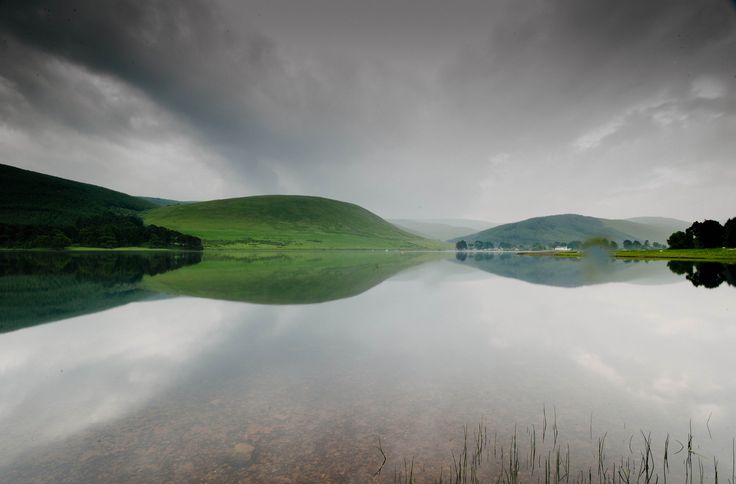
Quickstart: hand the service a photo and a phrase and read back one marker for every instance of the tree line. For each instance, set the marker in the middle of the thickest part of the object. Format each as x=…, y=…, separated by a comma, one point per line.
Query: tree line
x=108, y=230
x=708, y=234
x=572, y=245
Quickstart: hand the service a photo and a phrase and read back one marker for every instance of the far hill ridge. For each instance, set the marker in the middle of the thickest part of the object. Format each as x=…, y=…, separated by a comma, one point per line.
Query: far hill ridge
x=566, y=228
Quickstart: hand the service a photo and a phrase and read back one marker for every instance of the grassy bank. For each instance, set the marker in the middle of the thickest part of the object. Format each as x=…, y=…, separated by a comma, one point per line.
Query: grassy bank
x=720, y=255
x=93, y=249
x=726, y=256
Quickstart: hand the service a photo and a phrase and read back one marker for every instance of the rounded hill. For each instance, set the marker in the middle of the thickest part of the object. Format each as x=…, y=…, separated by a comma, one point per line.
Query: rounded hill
x=285, y=222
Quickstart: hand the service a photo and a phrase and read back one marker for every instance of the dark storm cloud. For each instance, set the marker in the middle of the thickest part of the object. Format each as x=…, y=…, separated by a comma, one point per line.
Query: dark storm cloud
x=220, y=75
x=411, y=108
x=178, y=53
x=573, y=62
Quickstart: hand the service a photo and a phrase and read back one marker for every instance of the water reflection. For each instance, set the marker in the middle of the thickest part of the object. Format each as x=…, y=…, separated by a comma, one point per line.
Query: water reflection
x=567, y=272
x=197, y=389
x=39, y=287
x=286, y=278
x=59, y=380
x=706, y=274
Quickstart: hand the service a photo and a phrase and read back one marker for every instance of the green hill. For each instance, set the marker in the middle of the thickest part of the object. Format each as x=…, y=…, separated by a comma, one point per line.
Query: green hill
x=285, y=222
x=569, y=227
x=30, y=198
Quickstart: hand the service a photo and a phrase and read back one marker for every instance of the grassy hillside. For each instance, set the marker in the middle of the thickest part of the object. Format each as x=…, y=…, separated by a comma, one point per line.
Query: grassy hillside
x=285, y=278
x=441, y=229
x=31, y=198
x=569, y=227
x=285, y=222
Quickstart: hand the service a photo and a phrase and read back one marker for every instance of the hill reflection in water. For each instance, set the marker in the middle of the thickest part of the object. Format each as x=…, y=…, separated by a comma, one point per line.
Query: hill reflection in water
x=40, y=287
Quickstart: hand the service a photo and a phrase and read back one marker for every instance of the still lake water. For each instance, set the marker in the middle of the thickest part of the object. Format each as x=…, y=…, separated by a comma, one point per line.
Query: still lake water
x=290, y=368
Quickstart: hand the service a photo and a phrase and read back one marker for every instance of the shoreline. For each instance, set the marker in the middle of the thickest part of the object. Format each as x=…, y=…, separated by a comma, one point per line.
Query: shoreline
x=723, y=255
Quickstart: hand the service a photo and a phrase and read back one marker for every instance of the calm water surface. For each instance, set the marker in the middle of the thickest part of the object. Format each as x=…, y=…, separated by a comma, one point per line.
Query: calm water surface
x=290, y=368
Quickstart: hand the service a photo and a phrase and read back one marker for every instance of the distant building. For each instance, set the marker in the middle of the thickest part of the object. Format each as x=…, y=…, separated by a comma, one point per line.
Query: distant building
x=562, y=249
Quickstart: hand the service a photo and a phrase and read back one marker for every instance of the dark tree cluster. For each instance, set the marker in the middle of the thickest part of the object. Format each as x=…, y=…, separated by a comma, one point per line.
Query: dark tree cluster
x=708, y=234
x=637, y=245
x=600, y=242
x=106, y=231
x=481, y=245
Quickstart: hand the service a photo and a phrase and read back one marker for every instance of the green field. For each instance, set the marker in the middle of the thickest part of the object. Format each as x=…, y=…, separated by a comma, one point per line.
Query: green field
x=720, y=255
x=285, y=278
x=285, y=222
x=727, y=256
x=30, y=198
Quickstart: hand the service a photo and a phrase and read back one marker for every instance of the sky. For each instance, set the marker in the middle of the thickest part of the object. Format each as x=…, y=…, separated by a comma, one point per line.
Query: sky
x=497, y=110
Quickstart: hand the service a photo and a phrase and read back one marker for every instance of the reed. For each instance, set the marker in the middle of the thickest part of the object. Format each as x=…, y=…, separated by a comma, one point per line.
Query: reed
x=482, y=458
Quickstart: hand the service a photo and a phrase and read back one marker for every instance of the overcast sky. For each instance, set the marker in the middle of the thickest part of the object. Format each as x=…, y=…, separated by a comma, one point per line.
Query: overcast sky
x=495, y=110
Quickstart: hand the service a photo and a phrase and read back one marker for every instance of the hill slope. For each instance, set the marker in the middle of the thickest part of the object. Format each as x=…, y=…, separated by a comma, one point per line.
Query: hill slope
x=285, y=222
x=161, y=202
x=569, y=227
x=30, y=198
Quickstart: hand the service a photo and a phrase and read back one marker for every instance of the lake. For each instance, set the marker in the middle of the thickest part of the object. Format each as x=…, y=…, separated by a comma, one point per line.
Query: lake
x=314, y=367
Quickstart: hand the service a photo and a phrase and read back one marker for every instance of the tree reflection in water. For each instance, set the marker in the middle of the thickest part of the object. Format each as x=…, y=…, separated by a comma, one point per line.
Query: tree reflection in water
x=706, y=274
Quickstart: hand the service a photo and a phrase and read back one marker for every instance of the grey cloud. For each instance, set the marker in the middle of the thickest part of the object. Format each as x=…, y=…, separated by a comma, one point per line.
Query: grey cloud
x=404, y=107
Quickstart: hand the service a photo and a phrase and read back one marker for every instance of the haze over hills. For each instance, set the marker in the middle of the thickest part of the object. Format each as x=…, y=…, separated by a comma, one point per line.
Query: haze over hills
x=286, y=222
x=441, y=229
x=661, y=221
x=297, y=222
x=28, y=198
x=565, y=228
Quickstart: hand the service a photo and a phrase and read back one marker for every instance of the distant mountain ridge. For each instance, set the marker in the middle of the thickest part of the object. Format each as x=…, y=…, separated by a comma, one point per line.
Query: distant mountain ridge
x=162, y=202
x=664, y=221
x=441, y=229
x=565, y=228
